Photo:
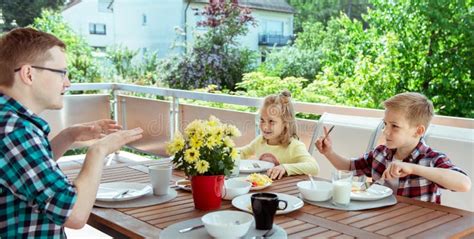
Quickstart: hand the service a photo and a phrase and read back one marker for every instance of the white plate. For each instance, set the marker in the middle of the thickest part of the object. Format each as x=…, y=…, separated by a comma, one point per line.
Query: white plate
x=243, y=203
x=111, y=192
x=254, y=188
x=247, y=166
x=374, y=192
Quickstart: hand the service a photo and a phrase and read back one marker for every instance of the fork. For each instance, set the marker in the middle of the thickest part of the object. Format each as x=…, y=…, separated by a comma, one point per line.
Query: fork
x=121, y=194
x=367, y=185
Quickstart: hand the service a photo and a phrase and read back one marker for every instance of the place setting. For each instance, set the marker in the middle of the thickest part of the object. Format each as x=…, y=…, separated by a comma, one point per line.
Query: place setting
x=254, y=221
x=134, y=194
x=345, y=194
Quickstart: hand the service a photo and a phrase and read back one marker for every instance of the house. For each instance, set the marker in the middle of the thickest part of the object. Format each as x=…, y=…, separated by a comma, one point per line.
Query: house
x=151, y=25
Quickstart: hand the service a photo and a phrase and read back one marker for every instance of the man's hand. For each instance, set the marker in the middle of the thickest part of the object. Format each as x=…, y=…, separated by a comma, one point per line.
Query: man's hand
x=93, y=130
x=115, y=141
x=398, y=169
x=276, y=172
x=324, y=143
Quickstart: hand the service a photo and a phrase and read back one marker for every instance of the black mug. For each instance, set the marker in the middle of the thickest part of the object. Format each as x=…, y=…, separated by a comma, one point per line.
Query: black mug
x=264, y=206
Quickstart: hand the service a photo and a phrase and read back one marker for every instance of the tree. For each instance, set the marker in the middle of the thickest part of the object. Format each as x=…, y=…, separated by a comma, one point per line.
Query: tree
x=82, y=65
x=215, y=57
x=422, y=46
x=311, y=11
x=22, y=13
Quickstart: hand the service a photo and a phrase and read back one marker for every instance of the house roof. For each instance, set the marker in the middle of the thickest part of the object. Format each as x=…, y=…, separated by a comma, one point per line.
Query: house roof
x=270, y=5
x=71, y=4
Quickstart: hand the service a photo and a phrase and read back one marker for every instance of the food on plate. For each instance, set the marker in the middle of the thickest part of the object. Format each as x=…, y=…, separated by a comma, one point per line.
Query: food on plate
x=360, y=186
x=258, y=180
x=184, y=182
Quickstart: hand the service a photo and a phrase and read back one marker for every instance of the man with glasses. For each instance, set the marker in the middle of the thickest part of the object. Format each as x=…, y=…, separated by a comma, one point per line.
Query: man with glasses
x=36, y=198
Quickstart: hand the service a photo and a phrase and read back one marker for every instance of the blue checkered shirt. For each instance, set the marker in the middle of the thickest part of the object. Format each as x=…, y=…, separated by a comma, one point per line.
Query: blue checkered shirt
x=36, y=198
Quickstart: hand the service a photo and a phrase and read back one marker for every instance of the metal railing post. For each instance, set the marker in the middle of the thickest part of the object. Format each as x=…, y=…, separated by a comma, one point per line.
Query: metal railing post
x=174, y=116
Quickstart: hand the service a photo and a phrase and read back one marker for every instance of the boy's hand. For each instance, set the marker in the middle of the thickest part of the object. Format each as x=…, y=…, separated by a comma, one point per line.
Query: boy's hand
x=397, y=169
x=276, y=172
x=324, y=143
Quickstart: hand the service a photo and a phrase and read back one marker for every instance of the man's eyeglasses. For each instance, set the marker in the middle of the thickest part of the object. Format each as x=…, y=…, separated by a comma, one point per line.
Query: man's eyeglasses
x=62, y=72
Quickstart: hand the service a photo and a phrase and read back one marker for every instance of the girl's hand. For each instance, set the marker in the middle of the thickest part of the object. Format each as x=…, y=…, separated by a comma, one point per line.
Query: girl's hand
x=276, y=172
x=397, y=169
x=93, y=130
x=269, y=158
x=324, y=143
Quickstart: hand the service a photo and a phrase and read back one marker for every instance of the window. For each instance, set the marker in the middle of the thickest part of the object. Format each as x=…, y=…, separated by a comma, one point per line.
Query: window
x=106, y=5
x=97, y=29
x=272, y=27
x=144, y=19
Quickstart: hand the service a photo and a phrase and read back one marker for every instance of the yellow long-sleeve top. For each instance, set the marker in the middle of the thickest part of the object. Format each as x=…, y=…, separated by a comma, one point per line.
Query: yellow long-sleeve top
x=294, y=158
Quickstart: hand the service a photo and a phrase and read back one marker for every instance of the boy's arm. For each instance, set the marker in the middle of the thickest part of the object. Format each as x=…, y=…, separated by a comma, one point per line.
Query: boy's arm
x=324, y=146
x=445, y=177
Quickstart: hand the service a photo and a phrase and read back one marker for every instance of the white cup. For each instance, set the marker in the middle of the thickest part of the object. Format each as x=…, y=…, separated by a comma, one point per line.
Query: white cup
x=342, y=182
x=160, y=176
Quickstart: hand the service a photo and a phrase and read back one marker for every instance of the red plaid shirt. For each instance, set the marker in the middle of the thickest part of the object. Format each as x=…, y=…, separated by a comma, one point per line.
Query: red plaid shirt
x=373, y=164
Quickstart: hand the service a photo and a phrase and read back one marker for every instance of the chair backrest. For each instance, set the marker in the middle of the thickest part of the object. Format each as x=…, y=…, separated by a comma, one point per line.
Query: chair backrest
x=352, y=136
x=458, y=145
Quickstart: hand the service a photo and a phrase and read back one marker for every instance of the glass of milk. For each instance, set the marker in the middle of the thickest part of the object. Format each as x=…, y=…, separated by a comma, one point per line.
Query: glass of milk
x=342, y=182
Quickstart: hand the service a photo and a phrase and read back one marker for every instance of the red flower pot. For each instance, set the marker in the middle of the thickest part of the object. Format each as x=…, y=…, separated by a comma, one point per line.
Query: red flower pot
x=207, y=191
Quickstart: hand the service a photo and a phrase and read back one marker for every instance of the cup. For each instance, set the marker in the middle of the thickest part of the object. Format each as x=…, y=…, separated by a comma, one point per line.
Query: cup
x=264, y=206
x=342, y=185
x=160, y=176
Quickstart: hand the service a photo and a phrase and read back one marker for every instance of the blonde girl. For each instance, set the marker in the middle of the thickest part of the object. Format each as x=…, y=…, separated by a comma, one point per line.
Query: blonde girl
x=278, y=142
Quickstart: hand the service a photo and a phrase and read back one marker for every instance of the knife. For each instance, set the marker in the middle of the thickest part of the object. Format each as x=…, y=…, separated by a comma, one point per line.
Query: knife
x=190, y=228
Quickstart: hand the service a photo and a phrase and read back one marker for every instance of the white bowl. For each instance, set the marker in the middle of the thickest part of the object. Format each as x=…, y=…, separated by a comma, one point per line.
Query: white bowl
x=227, y=224
x=322, y=191
x=234, y=188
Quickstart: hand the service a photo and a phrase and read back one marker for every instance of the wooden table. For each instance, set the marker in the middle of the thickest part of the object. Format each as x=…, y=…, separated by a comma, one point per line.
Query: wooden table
x=408, y=218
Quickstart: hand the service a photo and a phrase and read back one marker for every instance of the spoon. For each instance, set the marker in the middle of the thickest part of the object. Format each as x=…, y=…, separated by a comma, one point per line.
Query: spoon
x=313, y=185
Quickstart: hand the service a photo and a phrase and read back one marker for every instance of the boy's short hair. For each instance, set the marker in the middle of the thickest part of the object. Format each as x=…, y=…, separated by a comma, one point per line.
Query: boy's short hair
x=417, y=108
x=24, y=46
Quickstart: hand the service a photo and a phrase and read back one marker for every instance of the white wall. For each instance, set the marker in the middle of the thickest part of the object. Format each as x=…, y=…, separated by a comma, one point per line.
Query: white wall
x=79, y=16
x=125, y=25
x=250, y=40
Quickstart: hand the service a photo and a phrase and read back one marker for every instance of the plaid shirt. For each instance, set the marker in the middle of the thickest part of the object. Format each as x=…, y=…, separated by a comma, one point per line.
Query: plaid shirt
x=373, y=164
x=36, y=198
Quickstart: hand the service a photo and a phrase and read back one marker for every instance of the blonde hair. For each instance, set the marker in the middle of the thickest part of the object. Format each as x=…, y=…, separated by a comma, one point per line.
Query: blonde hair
x=281, y=105
x=417, y=108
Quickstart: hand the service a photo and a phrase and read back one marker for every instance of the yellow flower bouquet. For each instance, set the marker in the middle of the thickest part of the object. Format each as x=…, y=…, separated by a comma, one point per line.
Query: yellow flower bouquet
x=206, y=148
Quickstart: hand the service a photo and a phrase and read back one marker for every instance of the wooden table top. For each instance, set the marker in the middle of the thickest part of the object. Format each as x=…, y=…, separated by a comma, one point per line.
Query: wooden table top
x=408, y=218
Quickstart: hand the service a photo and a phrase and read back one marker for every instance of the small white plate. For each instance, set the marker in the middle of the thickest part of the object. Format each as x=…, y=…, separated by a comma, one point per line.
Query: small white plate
x=121, y=191
x=256, y=187
x=254, y=166
x=244, y=203
x=374, y=192
x=183, y=184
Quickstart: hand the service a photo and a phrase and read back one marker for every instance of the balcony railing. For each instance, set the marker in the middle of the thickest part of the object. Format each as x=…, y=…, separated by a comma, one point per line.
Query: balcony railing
x=273, y=40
